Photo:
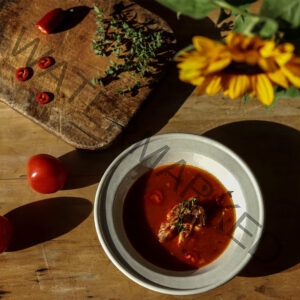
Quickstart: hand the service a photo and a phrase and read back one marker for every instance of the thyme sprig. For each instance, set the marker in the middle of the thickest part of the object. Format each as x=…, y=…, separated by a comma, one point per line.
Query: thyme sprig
x=133, y=48
x=186, y=207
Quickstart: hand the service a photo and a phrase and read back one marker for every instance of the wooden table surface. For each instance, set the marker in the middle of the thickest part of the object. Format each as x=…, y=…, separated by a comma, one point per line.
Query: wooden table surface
x=58, y=255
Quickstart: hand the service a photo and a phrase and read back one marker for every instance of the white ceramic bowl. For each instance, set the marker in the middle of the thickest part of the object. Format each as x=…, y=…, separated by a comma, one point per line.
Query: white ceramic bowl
x=201, y=152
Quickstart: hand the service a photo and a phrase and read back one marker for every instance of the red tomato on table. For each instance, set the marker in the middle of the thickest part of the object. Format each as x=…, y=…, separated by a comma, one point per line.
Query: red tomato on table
x=5, y=233
x=45, y=62
x=46, y=174
x=43, y=97
x=23, y=74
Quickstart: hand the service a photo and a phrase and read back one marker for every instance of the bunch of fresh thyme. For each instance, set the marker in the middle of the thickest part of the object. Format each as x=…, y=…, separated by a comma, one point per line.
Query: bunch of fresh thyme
x=186, y=206
x=133, y=48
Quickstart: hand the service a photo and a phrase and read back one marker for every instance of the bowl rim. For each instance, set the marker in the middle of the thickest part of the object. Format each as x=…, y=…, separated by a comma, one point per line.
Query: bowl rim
x=109, y=246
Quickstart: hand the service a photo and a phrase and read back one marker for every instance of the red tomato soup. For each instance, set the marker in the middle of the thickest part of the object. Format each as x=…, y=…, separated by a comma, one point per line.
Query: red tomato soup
x=179, y=217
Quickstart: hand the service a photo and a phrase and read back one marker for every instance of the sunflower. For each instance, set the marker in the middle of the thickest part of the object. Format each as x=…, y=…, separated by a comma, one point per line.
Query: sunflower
x=240, y=65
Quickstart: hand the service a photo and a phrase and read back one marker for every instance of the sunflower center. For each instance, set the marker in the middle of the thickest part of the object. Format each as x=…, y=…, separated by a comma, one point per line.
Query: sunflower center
x=242, y=68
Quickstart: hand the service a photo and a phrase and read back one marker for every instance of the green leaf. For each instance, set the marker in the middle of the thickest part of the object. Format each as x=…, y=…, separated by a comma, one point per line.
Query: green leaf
x=196, y=9
x=97, y=10
x=255, y=25
x=245, y=21
x=291, y=92
x=241, y=3
x=246, y=98
x=267, y=28
x=245, y=24
x=281, y=93
x=288, y=11
x=241, y=23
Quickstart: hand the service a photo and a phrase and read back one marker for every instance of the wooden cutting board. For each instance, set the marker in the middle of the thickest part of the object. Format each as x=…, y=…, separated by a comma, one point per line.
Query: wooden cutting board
x=83, y=114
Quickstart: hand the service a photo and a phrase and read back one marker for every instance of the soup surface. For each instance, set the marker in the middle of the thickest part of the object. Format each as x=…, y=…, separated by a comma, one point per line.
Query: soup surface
x=179, y=217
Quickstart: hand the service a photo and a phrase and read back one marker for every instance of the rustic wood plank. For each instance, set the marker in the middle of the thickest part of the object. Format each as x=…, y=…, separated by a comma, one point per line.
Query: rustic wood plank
x=85, y=115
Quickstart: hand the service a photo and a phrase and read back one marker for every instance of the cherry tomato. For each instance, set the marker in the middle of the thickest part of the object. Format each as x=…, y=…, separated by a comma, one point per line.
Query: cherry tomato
x=51, y=21
x=191, y=257
x=155, y=196
x=5, y=233
x=46, y=174
x=43, y=97
x=45, y=62
x=23, y=74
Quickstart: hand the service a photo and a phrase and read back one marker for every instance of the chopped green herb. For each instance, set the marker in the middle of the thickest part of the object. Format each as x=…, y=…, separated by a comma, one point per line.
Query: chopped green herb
x=134, y=47
x=186, y=206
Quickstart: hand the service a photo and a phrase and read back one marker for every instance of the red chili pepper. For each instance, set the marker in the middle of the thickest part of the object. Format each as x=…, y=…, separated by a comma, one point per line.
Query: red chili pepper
x=50, y=21
x=45, y=62
x=23, y=74
x=191, y=257
x=43, y=97
x=155, y=196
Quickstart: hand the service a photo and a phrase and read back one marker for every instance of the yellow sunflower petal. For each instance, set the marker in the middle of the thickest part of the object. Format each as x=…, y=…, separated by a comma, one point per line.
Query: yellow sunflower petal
x=239, y=40
x=268, y=49
x=190, y=64
x=283, y=58
x=278, y=78
x=237, y=85
x=238, y=56
x=214, y=86
x=218, y=65
x=234, y=40
x=267, y=64
x=286, y=48
x=251, y=57
x=191, y=76
x=202, y=43
x=191, y=69
x=292, y=72
x=202, y=84
x=264, y=89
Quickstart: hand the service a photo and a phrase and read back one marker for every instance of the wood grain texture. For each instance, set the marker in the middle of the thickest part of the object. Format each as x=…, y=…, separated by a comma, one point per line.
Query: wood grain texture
x=60, y=257
x=83, y=114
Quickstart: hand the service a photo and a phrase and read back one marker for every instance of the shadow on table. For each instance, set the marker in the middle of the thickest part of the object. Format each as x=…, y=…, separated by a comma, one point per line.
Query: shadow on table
x=44, y=220
x=86, y=167
x=272, y=151
x=171, y=93
x=183, y=26
x=72, y=17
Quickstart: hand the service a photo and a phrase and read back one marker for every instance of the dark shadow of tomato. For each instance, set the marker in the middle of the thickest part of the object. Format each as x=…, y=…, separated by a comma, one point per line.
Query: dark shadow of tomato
x=72, y=17
x=44, y=220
